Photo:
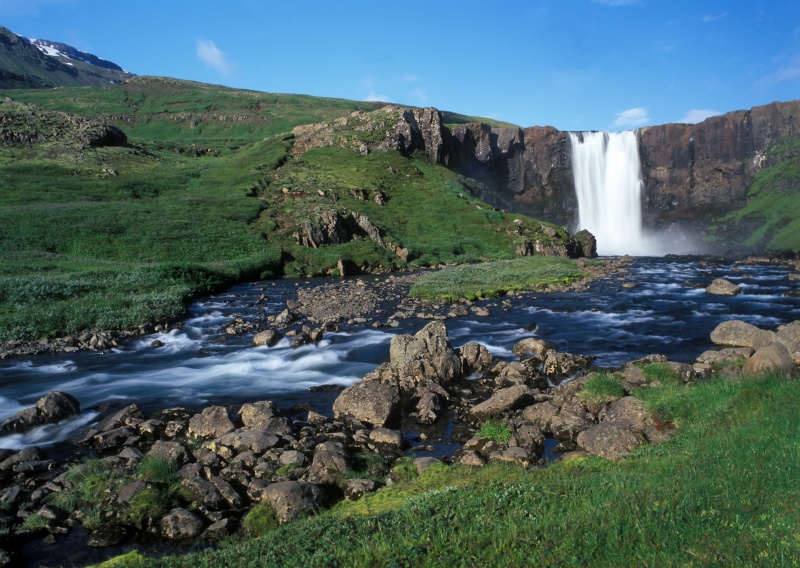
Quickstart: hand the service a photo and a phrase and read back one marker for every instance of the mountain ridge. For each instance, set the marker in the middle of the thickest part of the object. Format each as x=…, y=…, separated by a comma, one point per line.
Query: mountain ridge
x=44, y=64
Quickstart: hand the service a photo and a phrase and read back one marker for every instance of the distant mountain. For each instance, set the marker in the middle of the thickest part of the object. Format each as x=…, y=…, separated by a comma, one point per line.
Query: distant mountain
x=41, y=64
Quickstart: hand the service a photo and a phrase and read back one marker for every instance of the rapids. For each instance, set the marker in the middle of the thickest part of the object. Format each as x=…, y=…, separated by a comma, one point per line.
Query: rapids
x=668, y=312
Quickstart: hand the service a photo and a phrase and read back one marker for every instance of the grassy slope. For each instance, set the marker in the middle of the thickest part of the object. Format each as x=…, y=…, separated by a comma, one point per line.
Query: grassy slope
x=771, y=218
x=722, y=491
x=81, y=247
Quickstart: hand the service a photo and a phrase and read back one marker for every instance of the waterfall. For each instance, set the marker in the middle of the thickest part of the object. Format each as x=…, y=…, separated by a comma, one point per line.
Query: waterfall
x=608, y=184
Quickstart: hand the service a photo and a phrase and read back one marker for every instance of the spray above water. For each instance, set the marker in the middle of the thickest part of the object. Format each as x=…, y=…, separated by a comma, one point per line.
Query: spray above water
x=608, y=183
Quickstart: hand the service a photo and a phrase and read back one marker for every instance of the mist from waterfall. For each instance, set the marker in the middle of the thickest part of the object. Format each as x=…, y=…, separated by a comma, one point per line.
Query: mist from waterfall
x=608, y=184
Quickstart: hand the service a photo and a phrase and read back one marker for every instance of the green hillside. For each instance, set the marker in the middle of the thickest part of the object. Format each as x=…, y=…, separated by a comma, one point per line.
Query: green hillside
x=208, y=190
x=770, y=220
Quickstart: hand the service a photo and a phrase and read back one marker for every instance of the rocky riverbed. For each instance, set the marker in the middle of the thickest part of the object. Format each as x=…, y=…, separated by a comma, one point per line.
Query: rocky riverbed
x=229, y=458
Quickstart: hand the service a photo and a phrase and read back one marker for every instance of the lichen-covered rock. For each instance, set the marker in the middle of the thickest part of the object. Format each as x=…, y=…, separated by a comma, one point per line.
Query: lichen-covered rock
x=293, y=499
x=609, y=440
x=244, y=440
x=355, y=489
x=331, y=462
x=513, y=455
x=373, y=402
x=180, y=525
x=213, y=422
x=171, y=451
x=735, y=333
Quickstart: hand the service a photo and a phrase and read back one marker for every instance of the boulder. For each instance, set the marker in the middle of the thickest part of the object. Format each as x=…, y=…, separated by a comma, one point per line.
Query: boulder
x=180, y=524
x=533, y=346
x=262, y=415
x=502, y=401
x=772, y=358
x=373, y=402
x=203, y=492
x=429, y=406
x=331, y=461
x=421, y=464
x=789, y=335
x=213, y=422
x=474, y=357
x=50, y=409
x=171, y=452
x=293, y=499
x=424, y=356
x=268, y=337
x=529, y=437
x=387, y=439
x=609, y=440
x=722, y=287
x=736, y=333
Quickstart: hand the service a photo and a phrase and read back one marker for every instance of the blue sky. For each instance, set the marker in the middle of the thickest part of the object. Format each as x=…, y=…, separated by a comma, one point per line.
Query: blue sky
x=572, y=64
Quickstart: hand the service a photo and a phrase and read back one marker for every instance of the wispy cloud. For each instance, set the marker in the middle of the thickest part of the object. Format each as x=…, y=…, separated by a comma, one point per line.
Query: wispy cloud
x=787, y=72
x=708, y=18
x=698, y=115
x=211, y=56
x=616, y=2
x=368, y=84
x=631, y=118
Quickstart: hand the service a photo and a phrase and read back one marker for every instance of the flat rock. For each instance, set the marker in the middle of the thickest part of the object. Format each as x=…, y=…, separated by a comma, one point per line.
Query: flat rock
x=609, y=440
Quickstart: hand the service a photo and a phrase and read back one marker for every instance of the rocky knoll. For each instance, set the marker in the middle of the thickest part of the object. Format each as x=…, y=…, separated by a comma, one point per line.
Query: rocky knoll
x=25, y=124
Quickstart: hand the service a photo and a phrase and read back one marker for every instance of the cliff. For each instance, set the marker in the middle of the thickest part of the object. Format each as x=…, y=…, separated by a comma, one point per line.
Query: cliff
x=693, y=174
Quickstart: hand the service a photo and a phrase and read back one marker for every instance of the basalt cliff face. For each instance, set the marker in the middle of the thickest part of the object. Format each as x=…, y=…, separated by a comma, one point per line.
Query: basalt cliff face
x=692, y=173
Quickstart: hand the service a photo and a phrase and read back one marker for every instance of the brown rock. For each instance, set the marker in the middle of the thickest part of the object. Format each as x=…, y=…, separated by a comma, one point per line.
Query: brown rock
x=722, y=287
x=773, y=358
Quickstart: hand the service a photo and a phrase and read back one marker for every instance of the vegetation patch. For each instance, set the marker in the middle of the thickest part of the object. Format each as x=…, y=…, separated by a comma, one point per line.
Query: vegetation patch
x=662, y=372
x=260, y=520
x=496, y=430
x=722, y=491
x=602, y=389
x=492, y=279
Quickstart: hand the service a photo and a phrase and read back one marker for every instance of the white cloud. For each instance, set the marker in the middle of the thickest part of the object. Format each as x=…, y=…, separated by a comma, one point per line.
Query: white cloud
x=698, y=115
x=631, y=118
x=708, y=18
x=368, y=84
x=210, y=54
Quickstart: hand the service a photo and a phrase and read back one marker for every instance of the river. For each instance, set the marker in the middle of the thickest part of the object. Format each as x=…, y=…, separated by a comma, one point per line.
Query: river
x=667, y=312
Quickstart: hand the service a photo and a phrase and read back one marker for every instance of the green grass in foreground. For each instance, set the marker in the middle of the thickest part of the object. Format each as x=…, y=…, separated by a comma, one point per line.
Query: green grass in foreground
x=722, y=492
x=493, y=279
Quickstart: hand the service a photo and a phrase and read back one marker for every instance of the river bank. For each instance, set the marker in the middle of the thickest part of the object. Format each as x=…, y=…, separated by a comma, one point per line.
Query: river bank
x=506, y=372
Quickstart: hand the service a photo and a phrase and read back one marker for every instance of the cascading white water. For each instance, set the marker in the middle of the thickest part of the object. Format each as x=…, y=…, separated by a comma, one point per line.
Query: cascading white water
x=608, y=183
